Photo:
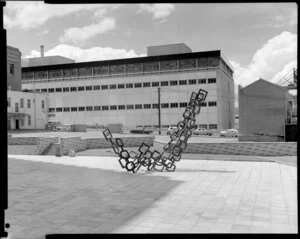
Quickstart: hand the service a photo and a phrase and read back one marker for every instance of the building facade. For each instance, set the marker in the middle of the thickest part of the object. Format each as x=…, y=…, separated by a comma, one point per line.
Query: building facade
x=126, y=90
x=13, y=69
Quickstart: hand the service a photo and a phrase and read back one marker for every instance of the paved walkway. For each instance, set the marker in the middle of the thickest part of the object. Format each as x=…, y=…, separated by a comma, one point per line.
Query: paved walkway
x=84, y=194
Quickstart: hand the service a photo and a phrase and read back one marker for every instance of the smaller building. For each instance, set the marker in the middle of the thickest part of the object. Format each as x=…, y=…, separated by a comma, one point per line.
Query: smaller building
x=13, y=69
x=264, y=108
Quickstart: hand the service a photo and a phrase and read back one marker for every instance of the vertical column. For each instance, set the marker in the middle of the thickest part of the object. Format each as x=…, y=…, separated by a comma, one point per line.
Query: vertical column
x=159, y=118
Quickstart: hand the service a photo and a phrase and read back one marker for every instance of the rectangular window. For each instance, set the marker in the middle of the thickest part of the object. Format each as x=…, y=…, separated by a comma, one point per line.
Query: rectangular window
x=17, y=107
x=44, y=90
x=80, y=88
x=146, y=84
x=212, y=103
x=89, y=108
x=43, y=104
x=165, y=105
x=73, y=109
x=173, y=82
x=113, y=107
x=66, y=109
x=183, y=104
x=58, y=110
x=105, y=107
x=164, y=83
x=8, y=102
x=81, y=108
x=212, y=80
x=29, y=120
x=202, y=126
x=55, y=74
x=155, y=84
x=28, y=103
x=57, y=89
x=203, y=104
x=213, y=126
x=129, y=107
x=137, y=85
x=192, y=82
x=89, y=87
x=21, y=103
x=12, y=69
x=96, y=87
x=138, y=106
x=73, y=88
x=66, y=89
x=51, y=90
x=121, y=86
x=154, y=106
x=129, y=85
x=174, y=105
x=201, y=81
x=183, y=82
x=147, y=106
x=51, y=110
x=121, y=107
x=97, y=108
x=104, y=87
x=112, y=87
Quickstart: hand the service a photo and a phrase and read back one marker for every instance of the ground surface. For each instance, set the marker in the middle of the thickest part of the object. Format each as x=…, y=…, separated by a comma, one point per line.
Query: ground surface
x=86, y=194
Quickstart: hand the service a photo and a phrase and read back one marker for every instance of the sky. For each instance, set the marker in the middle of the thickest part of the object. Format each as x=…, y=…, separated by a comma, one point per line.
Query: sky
x=258, y=39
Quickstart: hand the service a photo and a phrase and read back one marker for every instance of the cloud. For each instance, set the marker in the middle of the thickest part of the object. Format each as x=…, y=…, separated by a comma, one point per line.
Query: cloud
x=159, y=11
x=44, y=32
x=90, y=54
x=80, y=36
x=29, y=15
x=270, y=62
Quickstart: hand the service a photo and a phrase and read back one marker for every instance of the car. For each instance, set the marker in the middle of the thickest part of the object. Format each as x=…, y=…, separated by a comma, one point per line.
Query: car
x=229, y=133
x=141, y=130
x=202, y=131
x=171, y=130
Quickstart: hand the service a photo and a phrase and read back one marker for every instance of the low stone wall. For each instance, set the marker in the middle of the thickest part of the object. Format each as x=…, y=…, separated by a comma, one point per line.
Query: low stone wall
x=75, y=143
x=44, y=144
x=260, y=138
x=21, y=140
x=240, y=148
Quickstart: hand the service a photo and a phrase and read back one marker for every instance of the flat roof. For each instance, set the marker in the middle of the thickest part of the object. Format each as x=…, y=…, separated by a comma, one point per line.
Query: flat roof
x=203, y=54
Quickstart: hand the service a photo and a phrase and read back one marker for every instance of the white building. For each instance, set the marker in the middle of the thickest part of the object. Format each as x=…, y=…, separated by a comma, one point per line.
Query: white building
x=126, y=90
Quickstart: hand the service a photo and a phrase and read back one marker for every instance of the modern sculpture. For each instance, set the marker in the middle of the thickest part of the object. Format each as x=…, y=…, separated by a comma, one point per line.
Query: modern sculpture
x=154, y=160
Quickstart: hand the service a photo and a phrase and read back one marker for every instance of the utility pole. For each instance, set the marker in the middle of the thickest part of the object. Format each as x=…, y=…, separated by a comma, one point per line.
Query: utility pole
x=159, y=123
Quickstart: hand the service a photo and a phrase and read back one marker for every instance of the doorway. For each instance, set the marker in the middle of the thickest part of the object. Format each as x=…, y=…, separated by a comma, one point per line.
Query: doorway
x=17, y=124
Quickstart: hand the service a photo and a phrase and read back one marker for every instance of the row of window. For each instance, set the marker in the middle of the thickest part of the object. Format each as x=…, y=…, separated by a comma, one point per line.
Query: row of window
x=129, y=85
x=22, y=122
x=205, y=126
x=127, y=107
x=22, y=104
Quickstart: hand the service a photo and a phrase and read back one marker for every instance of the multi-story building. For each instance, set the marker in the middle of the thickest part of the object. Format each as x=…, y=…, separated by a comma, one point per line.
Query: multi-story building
x=13, y=69
x=126, y=90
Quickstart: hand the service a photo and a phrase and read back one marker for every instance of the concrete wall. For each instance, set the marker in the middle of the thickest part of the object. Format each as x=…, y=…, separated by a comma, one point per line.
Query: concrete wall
x=14, y=58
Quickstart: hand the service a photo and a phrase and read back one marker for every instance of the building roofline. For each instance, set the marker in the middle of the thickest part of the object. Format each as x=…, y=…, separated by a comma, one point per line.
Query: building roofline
x=265, y=81
x=216, y=53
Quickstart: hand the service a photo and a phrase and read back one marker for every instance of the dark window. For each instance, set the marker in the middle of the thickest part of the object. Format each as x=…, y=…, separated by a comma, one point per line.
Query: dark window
x=121, y=86
x=212, y=103
x=146, y=84
x=81, y=108
x=203, y=104
x=147, y=106
x=138, y=106
x=213, y=126
x=51, y=109
x=112, y=87
x=17, y=107
x=201, y=81
x=28, y=103
x=80, y=88
x=164, y=83
x=129, y=85
x=44, y=90
x=137, y=85
x=155, y=84
x=29, y=120
x=97, y=108
x=58, y=109
x=183, y=104
x=65, y=89
x=174, y=105
x=8, y=102
x=104, y=87
x=73, y=88
x=66, y=109
x=89, y=108
x=174, y=82
x=129, y=107
x=165, y=105
x=183, y=82
x=21, y=103
x=105, y=107
x=12, y=69
x=154, y=106
x=73, y=109
x=43, y=104
x=89, y=87
x=203, y=126
x=192, y=82
x=96, y=87
x=51, y=90
x=113, y=107
x=121, y=107
x=212, y=80
x=58, y=90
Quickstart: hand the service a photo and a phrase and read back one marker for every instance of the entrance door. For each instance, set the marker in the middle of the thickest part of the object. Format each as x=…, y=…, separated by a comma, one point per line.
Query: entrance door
x=17, y=124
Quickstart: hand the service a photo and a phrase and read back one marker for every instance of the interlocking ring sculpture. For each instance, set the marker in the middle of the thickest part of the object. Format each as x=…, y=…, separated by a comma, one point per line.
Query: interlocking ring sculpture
x=154, y=160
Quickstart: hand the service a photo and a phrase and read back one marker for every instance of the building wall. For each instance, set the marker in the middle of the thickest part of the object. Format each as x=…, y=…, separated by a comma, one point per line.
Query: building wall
x=168, y=49
x=47, y=60
x=262, y=109
x=13, y=68
x=38, y=115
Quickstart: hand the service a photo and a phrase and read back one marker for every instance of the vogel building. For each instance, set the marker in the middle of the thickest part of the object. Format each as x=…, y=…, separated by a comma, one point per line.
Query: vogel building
x=125, y=91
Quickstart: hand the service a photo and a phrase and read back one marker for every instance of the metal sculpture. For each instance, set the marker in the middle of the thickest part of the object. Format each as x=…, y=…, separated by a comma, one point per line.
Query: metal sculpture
x=154, y=160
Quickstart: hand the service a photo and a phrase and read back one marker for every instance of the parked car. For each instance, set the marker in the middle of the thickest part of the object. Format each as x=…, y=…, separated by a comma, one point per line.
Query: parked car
x=202, y=131
x=141, y=130
x=171, y=130
x=229, y=133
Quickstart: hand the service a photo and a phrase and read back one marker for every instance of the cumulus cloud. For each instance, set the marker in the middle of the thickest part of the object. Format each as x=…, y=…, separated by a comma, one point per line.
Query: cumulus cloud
x=90, y=54
x=159, y=11
x=81, y=35
x=272, y=60
x=29, y=15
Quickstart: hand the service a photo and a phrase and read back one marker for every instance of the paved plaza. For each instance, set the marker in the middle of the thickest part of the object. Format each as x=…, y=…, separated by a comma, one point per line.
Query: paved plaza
x=88, y=194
